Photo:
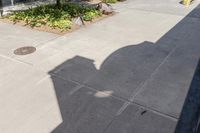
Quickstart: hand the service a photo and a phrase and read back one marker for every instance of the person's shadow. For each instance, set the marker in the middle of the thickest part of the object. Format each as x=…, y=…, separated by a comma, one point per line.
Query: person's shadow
x=85, y=93
x=119, y=75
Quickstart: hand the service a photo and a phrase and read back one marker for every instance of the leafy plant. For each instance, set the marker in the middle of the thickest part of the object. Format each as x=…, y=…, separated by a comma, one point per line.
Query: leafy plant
x=53, y=16
x=110, y=1
x=62, y=24
x=88, y=16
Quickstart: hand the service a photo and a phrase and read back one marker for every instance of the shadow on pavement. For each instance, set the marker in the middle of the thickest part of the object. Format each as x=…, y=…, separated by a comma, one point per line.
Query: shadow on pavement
x=85, y=94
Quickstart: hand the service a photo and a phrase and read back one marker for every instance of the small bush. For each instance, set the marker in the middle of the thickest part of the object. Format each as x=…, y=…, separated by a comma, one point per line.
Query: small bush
x=52, y=16
x=112, y=1
x=88, y=16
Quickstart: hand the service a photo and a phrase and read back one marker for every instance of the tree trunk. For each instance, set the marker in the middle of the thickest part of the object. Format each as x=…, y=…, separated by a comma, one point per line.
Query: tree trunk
x=1, y=4
x=58, y=4
x=1, y=8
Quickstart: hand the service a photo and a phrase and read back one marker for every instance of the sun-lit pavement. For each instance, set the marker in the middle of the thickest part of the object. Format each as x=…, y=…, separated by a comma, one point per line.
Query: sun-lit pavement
x=129, y=73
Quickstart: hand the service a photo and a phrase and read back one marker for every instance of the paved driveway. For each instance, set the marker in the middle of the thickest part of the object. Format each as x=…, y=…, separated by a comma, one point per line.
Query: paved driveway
x=130, y=73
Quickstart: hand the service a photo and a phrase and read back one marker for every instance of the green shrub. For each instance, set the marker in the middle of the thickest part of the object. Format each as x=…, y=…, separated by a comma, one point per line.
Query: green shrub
x=52, y=16
x=110, y=1
x=88, y=16
x=61, y=24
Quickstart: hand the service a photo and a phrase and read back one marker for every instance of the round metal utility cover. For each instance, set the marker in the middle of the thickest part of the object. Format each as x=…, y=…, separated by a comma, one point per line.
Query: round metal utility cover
x=25, y=50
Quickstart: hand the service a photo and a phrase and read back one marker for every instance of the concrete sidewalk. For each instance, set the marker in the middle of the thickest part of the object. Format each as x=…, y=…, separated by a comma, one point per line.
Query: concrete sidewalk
x=129, y=73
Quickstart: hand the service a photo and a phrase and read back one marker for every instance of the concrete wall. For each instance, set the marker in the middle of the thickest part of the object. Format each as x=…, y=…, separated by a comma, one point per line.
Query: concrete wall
x=9, y=3
x=6, y=2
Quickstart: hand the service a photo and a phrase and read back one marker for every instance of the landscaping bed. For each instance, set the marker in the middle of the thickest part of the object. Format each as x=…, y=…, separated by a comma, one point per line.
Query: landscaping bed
x=57, y=20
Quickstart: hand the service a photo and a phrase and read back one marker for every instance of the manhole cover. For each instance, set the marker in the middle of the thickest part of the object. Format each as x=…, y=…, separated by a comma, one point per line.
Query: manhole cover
x=25, y=50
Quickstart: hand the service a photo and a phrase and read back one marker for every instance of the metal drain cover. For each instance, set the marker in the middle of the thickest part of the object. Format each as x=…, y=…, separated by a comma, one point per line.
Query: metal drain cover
x=25, y=50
